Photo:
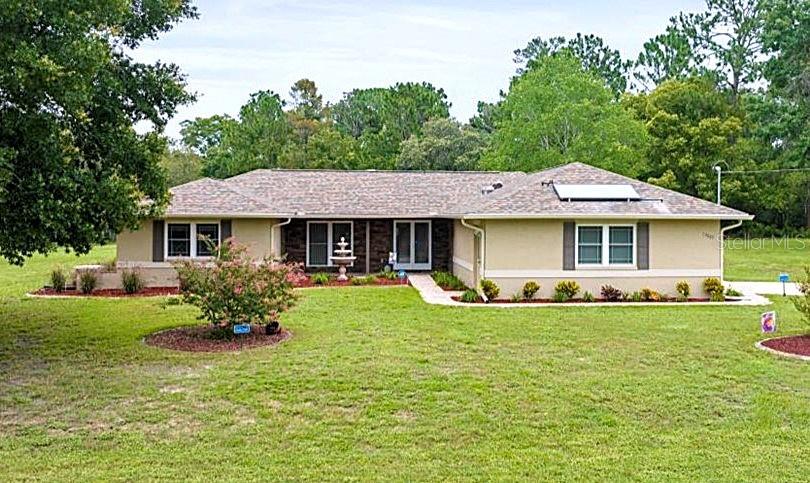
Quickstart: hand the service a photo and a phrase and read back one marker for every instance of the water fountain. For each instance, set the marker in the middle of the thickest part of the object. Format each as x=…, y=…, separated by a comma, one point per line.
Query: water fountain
x=342, y=259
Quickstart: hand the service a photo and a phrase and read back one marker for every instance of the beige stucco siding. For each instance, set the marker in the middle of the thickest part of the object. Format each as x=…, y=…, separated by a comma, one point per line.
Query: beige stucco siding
x=255, y=234
x=524, y=244
x=684, y=244
x=135, y=246
x=521, y=250
x=463, y=253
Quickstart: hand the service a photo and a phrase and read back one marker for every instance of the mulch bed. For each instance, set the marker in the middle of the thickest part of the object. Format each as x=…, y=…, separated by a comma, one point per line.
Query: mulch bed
x=111, y=292
x=572, y=301
x=795, y=344
x=199, y=338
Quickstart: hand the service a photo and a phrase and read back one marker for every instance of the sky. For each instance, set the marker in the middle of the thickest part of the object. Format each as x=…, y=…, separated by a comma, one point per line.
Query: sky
x=238, y=47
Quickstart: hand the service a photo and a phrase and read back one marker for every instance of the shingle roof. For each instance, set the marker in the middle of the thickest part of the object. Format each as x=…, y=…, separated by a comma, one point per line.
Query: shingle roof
x=534, y=196
x=417, y=194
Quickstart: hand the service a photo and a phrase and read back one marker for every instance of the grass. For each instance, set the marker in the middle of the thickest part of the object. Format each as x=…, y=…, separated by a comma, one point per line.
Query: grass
x=376, y=385
x=763, y=259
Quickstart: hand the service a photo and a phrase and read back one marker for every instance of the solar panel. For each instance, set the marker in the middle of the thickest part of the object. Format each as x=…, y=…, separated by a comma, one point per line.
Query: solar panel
x=596, y=192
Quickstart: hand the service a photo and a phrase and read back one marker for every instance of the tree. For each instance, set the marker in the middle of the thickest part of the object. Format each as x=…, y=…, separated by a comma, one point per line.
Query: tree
x=181, y=166
x=204, y=133
x=595, y=56
x=692, y=127
x=330, y=149
x=381, y=118
x=484, y=120
x=72, y=167
x=664, y=57
x=443, y=145
x=727, y=40
x=305, y=99
x=257, y=140
x=557, y=113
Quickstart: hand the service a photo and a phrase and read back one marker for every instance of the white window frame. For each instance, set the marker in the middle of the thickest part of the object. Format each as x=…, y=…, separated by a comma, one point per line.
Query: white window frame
x=329, y=240
x=412, y=265
x=193, y=234
x=605, y=246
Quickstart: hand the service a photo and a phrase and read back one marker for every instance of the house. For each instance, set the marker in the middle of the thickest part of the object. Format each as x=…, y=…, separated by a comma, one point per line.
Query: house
x=572, y=222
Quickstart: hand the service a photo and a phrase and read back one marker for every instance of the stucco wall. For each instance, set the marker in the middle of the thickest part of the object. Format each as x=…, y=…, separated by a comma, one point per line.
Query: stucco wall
x=254, y=234
x=135, y=246
x=521, y=250
x=463, y=253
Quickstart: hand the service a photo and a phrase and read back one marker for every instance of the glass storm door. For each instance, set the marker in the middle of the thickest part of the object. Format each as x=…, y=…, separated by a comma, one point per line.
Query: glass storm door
x=412, y=245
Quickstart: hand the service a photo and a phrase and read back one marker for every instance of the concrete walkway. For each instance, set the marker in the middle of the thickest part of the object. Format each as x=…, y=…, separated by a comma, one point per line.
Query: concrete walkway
x=433, y=294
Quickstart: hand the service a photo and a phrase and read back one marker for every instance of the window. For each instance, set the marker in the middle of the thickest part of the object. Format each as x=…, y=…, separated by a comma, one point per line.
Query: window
x=323, y=238
x=179, y=239
x=180, y=243
x=412, y=242
x=590, y=245
x=621, y=245
x=207, y=238
x=606, y=245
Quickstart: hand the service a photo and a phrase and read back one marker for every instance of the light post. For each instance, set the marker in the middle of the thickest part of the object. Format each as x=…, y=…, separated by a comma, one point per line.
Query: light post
x=719, y=172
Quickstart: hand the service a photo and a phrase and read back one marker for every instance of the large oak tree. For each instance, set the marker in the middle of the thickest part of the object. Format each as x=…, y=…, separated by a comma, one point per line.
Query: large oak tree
x=73, y=169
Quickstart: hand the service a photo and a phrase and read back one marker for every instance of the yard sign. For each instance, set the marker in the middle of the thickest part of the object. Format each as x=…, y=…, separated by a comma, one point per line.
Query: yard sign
x=768, y=322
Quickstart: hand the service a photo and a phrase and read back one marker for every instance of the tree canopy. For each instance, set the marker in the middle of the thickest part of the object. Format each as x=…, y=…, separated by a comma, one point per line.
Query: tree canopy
x=73, y=169
x=556, y=113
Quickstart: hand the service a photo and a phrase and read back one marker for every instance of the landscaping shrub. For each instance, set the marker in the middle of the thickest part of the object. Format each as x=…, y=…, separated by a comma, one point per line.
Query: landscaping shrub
x=560, y=297
x=588, y=297
x=684, y=290
x=530, y=289
x=649, y=295
x=633, y=297
x=490, y=289
x=448, y=281
x=131, y=281
x=387, y=275
x=320, y=278
x=802, y=303
x=730, y=292
x=517, y=297
x=58, y=279
x=469, y=296
x=236, y=289
x=714, y=287
x=88, y=281
x=611, y=293
x=569, y=288
x=368, y=280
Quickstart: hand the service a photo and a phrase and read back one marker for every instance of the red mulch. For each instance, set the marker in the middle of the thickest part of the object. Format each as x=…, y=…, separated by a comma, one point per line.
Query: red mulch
x=199, y=338
x=112, y=292
x=795, y=344
x=572, y=301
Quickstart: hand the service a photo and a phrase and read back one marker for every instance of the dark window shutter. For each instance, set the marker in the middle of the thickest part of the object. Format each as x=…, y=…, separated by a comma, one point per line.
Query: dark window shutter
x=569, y=249
x=643, y=245
x=225, y=228
x=157, y=240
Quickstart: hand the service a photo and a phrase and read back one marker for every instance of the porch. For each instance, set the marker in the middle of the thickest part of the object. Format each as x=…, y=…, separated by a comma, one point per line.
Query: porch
x=418, y=244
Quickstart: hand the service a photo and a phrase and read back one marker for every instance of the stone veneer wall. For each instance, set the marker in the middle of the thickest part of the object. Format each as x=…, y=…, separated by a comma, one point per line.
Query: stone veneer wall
x=294, y=239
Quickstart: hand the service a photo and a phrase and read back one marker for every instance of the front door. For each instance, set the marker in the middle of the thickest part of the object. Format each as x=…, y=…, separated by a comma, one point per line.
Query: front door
x=412, y=245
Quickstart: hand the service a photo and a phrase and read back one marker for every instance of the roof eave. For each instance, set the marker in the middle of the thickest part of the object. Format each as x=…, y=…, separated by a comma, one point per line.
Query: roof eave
x=710, y=216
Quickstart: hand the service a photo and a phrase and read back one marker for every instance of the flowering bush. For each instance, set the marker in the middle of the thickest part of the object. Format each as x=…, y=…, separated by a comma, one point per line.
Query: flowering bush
x=235, y=289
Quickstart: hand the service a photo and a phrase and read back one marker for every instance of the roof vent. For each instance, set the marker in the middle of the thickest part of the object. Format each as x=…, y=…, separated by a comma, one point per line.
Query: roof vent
x=491, y=187
x=596, y=192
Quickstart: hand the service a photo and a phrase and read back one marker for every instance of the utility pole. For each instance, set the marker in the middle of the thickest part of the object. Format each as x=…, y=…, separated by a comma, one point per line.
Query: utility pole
x=719, y=172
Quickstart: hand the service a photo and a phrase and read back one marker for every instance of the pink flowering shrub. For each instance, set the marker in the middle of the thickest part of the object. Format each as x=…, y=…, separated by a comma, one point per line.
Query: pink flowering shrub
x=235, y=289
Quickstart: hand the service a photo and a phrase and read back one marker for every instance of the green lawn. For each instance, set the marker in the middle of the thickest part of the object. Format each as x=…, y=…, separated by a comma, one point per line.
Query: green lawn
x=764, y=259
x=377, y=385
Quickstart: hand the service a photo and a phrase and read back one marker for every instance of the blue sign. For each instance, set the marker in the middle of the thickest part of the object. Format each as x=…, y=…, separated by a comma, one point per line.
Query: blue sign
x=783, y=277
x=241, y=329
